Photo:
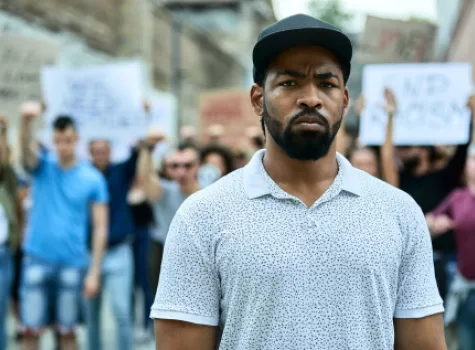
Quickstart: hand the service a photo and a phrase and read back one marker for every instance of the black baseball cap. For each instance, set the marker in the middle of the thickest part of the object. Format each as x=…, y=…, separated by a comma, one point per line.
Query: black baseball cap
x=300, y=30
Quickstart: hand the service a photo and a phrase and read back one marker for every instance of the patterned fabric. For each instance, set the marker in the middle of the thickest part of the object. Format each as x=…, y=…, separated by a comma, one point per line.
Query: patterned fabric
x=274, y=274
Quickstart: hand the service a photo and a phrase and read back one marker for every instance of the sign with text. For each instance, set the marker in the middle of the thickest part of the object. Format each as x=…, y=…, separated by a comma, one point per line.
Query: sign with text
x=230, y=108
x=106, y=102
x=432, y=103
x=21, y=61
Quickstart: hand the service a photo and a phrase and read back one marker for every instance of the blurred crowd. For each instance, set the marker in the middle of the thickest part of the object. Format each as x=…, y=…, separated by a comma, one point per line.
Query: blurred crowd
x=111, y=221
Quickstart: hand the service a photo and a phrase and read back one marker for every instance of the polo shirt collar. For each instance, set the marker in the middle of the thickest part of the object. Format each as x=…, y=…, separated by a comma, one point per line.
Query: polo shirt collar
x=257, y=183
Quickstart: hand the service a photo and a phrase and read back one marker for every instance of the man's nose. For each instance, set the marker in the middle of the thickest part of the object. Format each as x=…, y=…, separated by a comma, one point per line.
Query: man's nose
x=310, y=98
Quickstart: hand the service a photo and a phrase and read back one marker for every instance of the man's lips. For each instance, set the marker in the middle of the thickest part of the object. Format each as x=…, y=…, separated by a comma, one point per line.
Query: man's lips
x=309, y=123
x=309, y=119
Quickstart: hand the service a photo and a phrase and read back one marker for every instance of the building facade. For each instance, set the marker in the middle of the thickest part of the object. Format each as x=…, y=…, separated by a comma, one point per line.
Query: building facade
x=182, y=57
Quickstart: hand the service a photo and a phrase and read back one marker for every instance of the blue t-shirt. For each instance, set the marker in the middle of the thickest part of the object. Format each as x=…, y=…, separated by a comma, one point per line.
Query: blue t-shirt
x=58, y=224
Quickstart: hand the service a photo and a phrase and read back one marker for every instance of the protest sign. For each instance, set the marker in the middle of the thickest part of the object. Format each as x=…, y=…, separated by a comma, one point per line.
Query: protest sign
x=106, y=102
x=162, y=112
x=387, y=40
x=230, y=108
x=432, y=103
x=21, y=60
x=162, y=115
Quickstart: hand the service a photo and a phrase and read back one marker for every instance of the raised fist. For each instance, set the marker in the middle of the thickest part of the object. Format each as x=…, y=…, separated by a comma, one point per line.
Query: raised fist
x=31, y=110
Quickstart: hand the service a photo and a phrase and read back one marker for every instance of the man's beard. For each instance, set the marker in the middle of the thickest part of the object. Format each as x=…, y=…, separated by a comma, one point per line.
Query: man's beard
x=303, y=145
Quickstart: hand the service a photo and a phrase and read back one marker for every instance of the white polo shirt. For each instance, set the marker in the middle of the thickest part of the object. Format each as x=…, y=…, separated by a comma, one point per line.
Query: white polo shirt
x=274, y=274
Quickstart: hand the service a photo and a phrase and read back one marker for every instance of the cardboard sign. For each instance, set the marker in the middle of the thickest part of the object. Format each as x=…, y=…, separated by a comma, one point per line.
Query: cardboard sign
x=432, y=103
x=106, y=102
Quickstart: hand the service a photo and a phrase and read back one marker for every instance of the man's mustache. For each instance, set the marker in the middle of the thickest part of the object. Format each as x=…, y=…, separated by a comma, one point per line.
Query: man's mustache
x=315, y=114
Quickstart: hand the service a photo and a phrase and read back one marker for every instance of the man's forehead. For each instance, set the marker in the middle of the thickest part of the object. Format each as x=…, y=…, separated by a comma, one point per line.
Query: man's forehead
x=100, y=144
x=69, y=131
x=305, y=57
x=188, y=153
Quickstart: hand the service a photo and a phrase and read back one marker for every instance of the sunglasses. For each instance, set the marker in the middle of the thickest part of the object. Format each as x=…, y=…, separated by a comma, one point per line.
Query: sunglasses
x=186, y=166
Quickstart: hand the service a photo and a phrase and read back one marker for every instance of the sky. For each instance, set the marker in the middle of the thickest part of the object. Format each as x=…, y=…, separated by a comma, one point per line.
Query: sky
x=400, y=9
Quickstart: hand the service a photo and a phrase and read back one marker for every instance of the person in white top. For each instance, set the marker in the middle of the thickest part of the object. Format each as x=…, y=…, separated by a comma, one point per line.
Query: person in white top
x=299, y=250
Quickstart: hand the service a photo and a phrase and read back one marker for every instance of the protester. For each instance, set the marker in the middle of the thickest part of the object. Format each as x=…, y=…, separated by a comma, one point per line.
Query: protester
x=166, y=172
x=67, y=195
x=215, y=134
x=429, y=186
x=377, y=162
x=254, y=135
x=240, y=158
x=166, y=196
x=118, y=264
x=219, y=156
x=9, y=228
x=189, y=135
x=456, y=213
x=299, y=250
x=143, y=219
x=23, y=208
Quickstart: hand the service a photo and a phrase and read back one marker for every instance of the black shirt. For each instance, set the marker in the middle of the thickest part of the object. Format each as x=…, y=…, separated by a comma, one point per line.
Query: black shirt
x=431, y=189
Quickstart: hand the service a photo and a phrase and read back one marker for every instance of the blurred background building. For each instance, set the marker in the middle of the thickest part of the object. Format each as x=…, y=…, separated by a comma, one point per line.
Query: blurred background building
x=187, y=46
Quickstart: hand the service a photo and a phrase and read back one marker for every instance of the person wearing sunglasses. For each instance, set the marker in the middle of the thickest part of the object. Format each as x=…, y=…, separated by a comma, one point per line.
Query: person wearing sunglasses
x=166, y=196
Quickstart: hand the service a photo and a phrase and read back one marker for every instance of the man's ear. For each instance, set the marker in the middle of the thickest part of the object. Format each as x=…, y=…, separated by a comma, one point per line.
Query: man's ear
x=257, y=99
x=346, y=102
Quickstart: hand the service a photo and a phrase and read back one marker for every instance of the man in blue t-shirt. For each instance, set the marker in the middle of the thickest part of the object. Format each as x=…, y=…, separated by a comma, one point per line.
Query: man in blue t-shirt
x=67, y=195
x=118, y=265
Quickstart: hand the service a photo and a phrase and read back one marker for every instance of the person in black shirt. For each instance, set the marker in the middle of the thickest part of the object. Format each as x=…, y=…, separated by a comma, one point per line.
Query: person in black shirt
x=429, y=187
x=143, y=218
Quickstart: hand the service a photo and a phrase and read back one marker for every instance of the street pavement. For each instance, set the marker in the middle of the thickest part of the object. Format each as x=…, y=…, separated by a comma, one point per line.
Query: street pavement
x=108, y=333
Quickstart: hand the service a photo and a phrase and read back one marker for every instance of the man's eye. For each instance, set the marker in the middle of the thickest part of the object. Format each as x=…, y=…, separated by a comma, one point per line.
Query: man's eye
x=289, y=83
x=327, y=85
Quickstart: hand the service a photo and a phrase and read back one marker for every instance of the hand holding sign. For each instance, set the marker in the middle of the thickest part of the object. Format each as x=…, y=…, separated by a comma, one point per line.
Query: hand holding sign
x=359, y=105
x=431, y=105
x=390, y=106
x=471, y=104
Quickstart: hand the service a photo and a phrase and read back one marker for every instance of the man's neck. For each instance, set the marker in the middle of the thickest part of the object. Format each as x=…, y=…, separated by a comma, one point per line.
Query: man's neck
x=189, y=187
x=102, y=169
x=306, y=180
x=67, y=163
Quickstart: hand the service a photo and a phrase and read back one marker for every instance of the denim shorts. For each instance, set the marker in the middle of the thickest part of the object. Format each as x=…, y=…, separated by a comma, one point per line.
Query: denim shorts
x=50, y=295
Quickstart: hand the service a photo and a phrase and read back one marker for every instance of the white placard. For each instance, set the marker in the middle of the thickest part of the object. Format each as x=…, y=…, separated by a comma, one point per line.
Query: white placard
x=432, y=103
x=106, y=102
x=162, y=112
x=162, y=115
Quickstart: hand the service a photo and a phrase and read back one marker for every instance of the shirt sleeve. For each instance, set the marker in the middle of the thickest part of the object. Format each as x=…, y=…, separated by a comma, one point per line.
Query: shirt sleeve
x=130, y=165
x=444, y=208
x=43, y=158
x=100, y=193
x=418, y=295
x=189, y=287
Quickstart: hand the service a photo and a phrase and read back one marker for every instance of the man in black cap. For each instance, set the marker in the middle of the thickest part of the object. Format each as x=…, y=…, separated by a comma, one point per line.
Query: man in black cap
x=299, y=250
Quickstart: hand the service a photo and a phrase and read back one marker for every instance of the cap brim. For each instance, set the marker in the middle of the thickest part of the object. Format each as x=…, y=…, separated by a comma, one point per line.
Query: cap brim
x=270, y=46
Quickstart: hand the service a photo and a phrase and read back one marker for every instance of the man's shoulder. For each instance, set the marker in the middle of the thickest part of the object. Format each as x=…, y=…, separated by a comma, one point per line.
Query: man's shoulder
x=220, y=194
x=375, y=189
x=87, y=171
